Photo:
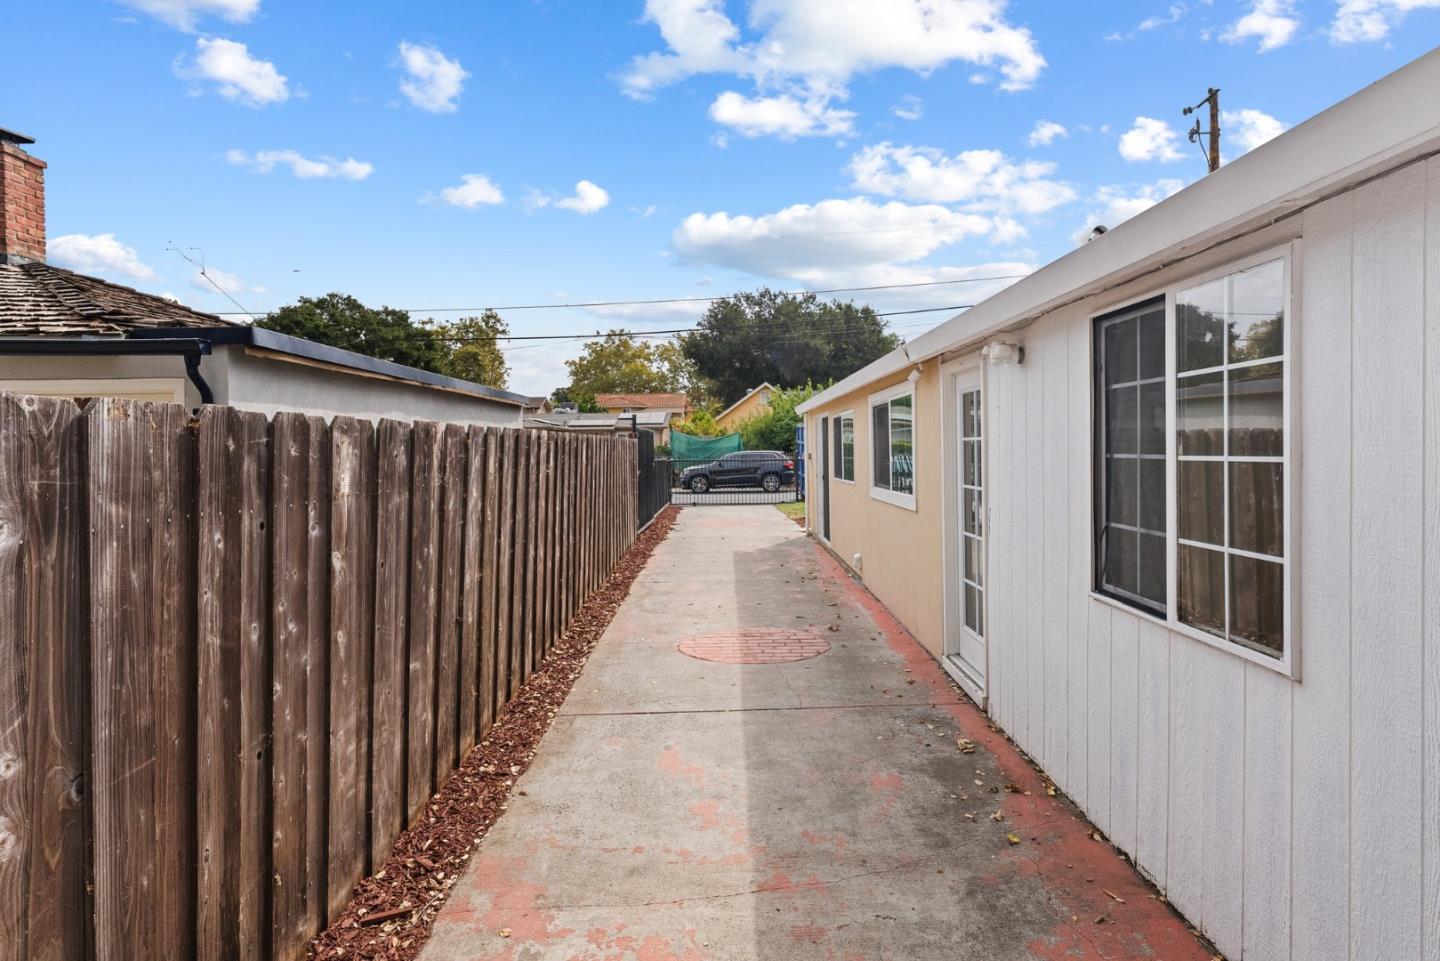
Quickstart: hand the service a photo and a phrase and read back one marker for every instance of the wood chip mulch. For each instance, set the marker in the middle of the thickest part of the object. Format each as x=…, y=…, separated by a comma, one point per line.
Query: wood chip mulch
x=391, y=913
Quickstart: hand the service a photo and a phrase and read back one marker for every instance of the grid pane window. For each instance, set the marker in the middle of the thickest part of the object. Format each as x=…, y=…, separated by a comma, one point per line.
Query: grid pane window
x=1231, y=445
x=1130, y=516
x=972, y=512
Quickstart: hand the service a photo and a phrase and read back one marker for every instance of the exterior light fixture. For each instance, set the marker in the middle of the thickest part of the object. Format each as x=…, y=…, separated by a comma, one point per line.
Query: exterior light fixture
x=1004, y=354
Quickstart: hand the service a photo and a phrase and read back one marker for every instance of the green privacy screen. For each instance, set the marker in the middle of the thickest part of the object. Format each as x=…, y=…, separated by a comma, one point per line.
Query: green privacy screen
x=703, y=449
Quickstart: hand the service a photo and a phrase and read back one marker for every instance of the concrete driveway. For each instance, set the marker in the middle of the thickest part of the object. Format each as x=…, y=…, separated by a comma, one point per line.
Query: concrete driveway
x=759, y=763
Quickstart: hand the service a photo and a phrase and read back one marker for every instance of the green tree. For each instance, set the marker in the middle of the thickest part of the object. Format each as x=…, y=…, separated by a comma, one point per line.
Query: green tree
x=619, y=363
x=775, y=429
x=700, y=423
x=782, y=338
x=474, y=351
x=342, y=321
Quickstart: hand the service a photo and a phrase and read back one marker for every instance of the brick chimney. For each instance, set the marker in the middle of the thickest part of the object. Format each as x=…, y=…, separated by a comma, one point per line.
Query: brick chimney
x=22, y=201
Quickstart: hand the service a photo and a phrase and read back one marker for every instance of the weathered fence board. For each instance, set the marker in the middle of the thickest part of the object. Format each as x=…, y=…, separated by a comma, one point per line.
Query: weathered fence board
x=390, y=670
x=352, y=626
x=261, y=645
x=233, y=690
x=42, y=696
x=300, y=558
x=140, y=459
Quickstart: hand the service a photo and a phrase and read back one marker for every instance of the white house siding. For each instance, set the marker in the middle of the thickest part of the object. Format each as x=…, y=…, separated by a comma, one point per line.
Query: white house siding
x=1290, y=820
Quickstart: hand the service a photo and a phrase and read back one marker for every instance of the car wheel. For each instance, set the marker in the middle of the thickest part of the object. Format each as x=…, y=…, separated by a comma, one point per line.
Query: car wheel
x=699, y=485
x=771, y=482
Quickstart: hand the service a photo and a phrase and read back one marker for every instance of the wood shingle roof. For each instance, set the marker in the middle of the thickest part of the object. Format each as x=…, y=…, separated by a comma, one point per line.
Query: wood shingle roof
x=40, y=299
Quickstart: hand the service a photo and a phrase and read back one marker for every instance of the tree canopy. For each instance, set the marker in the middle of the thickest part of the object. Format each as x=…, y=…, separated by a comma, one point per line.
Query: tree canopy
x=775, y=428
x=474, y=351
x=783, y=339
x=466, y=348
x=620, y=363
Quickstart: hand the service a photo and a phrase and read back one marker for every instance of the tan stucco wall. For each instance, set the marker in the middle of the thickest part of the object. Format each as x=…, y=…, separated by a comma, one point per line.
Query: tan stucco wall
x=747, y=408
x=900, y=548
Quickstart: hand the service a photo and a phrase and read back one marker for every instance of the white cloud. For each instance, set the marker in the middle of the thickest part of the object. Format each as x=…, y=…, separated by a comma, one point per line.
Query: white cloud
x=1172, y=15
x=815, y=242
x=1359, y=20
x=184, y=14
x=228, y=282
x=808, y=52
x=1150, y=139
x=588, y=198
x=909, y=107
x=238, y=76
x=781, y=116
x=1248, y=128
x=306, y=168
x=1118, y=204
x=1272, y=21
x=1045, y=133
x=986, y=180
x=98, y=254
x=432, y=80
x=473, y=191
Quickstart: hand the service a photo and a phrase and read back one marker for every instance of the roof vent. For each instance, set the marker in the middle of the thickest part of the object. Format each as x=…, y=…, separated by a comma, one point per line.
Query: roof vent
x=1096, y=232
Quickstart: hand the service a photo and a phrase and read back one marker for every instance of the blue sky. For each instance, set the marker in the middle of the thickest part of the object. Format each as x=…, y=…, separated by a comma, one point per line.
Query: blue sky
x=464, y=154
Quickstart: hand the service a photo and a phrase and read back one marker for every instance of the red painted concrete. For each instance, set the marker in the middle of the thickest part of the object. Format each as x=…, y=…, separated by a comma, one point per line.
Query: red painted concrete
x=1114, y=912
x=755, y=645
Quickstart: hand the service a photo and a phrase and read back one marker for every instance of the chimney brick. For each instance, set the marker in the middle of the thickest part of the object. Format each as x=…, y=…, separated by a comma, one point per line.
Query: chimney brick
x=22, y=205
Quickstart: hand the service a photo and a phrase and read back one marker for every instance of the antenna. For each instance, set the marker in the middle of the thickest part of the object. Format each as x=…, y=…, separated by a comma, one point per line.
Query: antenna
x=208, y=279
x=1212, y=156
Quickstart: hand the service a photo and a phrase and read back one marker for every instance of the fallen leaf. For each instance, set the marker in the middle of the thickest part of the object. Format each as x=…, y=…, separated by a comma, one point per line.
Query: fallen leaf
x=1013, y=838
x=504, y=932
x=1117, y=898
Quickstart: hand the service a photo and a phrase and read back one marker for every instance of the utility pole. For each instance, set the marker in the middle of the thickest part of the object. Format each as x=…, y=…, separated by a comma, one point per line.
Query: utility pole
x=1212, y=156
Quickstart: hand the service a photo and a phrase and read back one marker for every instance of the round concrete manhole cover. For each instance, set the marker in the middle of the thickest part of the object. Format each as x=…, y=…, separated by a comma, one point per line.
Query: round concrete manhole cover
x=755, y=645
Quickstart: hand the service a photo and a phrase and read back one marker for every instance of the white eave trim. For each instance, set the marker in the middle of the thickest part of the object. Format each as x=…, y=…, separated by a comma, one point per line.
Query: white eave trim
x=1393, y=120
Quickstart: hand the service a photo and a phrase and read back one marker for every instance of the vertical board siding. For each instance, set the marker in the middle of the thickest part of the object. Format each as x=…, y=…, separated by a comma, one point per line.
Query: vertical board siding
x=1430, y=830
x=42, y=695
x=237, y=653
x=1152, y=788
x=1076, y=587
x=1056, y=545
x=1125, y=758
x=1320, y=820
x=233, y=692
x=1388, y=575
x=141, y=604
x=1266, y=848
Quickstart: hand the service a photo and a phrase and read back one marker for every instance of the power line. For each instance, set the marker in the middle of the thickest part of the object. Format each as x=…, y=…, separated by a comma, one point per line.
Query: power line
x=687, y=300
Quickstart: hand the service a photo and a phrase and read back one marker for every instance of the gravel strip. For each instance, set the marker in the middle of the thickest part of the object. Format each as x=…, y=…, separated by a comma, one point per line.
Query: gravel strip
x=391, y=912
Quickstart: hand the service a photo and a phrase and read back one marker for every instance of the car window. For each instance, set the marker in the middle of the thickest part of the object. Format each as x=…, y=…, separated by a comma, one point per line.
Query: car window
x=732, y=458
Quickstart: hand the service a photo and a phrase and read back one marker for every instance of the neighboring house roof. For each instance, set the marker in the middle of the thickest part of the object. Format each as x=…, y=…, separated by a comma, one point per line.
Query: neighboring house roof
x=574, y=420
x=642, y=400
x=1389, y=123
x=748, y=394
x=37, y=298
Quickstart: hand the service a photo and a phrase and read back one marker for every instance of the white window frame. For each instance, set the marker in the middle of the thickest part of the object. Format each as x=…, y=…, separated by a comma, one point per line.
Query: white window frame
x=904, y=389
x=1288, y=664
x=839, y=448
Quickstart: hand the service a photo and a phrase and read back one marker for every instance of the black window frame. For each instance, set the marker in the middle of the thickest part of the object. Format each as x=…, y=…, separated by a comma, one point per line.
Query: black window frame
x=1100, y=516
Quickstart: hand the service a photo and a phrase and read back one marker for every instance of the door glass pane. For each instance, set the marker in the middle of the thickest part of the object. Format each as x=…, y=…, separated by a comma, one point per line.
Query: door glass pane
x=1200, y=502
x=970, y=458
x=972, y=512
x=847, y=446
x=1257, y=507
x=973, y=566
x=972, y=610
x=1200, y=414
x=1120, y=347
x=1201, y=580
x=1257, y=411
x=1200, y=326
x=1257, y=603
x=967, y=414
x=880, y=444
x=1257, y=312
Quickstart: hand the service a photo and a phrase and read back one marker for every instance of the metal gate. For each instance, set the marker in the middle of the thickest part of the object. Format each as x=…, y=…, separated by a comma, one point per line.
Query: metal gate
x=743, y=477
x=655, y=473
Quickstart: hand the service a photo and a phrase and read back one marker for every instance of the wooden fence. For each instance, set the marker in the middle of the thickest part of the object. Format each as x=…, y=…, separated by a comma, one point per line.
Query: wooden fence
x=239, y=653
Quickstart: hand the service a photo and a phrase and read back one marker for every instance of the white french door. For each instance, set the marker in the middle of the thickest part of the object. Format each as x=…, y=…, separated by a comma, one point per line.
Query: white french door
x=965, y=635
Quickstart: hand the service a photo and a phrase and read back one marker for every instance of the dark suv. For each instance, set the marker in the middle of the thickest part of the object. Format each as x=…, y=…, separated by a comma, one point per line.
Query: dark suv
x=767, y=469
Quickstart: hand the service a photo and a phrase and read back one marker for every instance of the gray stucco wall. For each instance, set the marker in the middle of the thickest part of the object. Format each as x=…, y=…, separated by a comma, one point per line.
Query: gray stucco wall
x=268, y=385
